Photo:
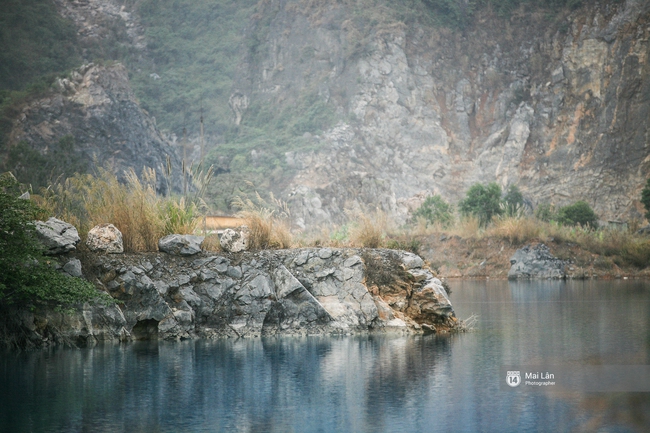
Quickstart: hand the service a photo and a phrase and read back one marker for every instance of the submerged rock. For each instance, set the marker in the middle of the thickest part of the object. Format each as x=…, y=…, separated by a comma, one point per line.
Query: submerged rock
x=536, y=262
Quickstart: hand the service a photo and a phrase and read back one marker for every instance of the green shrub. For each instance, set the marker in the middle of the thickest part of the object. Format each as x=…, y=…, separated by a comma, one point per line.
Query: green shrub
x=435, y=210
x=545, y=212
x=483, y=202
x=578, y=213
x=513, y=201
x=27, y=279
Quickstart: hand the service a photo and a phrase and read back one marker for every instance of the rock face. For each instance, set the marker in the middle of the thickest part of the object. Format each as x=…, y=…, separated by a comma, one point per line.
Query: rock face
x=97, y=108
x=559, y=108
x=181, y=245
x=105, y=238
x=304, y=291
x=58, y=237
x=536, y=263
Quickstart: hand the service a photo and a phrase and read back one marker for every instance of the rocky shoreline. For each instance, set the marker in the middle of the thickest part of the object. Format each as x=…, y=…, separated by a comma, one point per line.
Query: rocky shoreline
x=309, y=291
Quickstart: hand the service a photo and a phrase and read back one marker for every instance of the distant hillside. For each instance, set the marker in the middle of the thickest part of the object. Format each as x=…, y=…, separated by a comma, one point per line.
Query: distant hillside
x=343, y=104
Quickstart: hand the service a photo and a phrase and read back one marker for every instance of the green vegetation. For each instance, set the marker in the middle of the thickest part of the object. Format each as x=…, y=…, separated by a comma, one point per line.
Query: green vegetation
x=27, y=278
x=513, y=201
x=578, y=213
x=483, y=202
x=35, y=41
x=645, y=199
x=435, y=210
x=196, y=48
x=30, y=166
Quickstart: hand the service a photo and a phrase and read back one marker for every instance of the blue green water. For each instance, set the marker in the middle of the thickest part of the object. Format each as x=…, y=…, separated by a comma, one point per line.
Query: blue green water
x=356, y=383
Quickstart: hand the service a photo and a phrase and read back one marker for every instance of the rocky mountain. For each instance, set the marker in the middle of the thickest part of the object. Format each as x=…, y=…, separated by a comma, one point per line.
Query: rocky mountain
x=558, y=107
x=363, y=104
x=96, y=111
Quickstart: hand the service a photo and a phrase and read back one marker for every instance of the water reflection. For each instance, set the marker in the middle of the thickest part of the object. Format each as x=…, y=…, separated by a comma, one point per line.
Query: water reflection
x=361, y=384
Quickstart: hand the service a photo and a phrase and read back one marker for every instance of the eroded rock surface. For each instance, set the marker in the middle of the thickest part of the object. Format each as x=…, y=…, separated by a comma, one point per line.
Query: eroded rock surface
x=105, y=238
x=296, y=292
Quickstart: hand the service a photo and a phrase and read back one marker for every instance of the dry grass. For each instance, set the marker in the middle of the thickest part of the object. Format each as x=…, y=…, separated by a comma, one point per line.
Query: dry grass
x=134, y=208
x=466, y=227
x=369, y=230
x=211, y=243
x=268, y=224
x=515, y=230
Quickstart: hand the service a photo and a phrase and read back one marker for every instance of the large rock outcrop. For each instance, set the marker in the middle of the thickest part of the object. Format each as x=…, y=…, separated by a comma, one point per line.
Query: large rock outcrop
x=97, y=108
x=536, y=262
x=302, y=291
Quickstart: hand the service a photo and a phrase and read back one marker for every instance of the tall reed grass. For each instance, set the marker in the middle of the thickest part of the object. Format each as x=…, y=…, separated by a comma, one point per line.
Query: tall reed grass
x=133, y=207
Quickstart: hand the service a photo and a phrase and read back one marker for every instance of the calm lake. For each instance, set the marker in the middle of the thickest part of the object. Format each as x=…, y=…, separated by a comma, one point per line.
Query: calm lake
x=354, y=384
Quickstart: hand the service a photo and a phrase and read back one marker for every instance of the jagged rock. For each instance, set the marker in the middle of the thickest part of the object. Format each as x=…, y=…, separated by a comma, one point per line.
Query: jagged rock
x=58, y=237
x=73, y=268
x=273, y=292
x=101, y=113
x=105, y=238
x=183, y=245
x=536, y=262
x=234, y=241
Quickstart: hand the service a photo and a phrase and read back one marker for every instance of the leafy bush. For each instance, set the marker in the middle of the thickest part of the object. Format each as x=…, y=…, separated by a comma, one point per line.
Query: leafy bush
x=27, y=279
x=30, y=166
x=482, y=202
x=545, y=212
x=435, y=210
x=578, y=213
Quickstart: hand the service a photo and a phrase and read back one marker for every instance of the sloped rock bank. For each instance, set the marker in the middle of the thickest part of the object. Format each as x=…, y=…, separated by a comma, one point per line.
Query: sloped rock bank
x=290, y=292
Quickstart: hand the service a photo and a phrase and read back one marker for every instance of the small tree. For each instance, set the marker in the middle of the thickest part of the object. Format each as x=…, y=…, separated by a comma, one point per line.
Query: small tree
x=545, y=212
x=578, y=213
x=645, y=199
x=435, y=210
x=514, y=200
x=483, y=202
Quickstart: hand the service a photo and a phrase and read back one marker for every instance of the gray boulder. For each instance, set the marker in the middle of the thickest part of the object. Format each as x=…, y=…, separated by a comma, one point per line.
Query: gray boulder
x=58, y=237
x=181, y=245
x=105, y=238
x=73, y=268
x=234, y=241
x=536, y=263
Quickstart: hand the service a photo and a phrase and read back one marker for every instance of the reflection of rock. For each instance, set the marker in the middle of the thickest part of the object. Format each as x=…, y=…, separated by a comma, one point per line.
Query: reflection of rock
x=58, y=237
x=535, y=262
x=105, y=238
x=269, y=292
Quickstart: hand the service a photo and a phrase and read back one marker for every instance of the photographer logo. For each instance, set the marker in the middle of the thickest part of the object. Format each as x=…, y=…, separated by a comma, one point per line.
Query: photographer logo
x=513, y=378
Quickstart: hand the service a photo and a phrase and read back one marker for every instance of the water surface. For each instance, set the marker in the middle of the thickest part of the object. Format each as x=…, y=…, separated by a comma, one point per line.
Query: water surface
x=352, y=384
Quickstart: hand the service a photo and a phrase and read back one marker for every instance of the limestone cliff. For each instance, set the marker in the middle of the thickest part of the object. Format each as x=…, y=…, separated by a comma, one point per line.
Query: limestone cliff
x=559, y=107
x=97, y=108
